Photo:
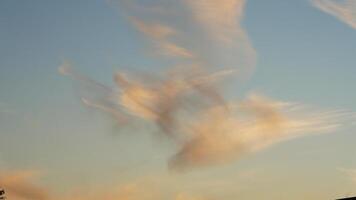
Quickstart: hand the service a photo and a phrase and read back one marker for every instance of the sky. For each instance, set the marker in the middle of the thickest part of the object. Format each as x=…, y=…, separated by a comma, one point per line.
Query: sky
x=186, y=100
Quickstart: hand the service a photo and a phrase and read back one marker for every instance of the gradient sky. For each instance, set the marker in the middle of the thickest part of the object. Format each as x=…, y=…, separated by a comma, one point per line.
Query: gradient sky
x=303, y=55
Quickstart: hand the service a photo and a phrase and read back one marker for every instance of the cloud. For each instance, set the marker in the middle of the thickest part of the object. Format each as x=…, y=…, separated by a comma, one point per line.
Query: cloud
x=221, y=19
x=220, y=24
x=20, y=185
x=207, y=32
x=157, y=101
x=344, y=10
x=190, y=109
x=171, y=49
x=139, y=190
x=94, y=94
x=156, y=31
x=350, y=173
x=123, y=192
x=160, y=34
x=186, y=101
x=220, y=136
x=136, y=191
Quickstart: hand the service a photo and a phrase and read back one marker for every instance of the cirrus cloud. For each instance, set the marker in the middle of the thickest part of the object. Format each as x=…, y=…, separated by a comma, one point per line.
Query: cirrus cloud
x=344, y=10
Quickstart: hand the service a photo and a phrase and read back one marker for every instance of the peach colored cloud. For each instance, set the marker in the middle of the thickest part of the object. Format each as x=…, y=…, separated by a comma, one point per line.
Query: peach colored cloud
x=160, y=35
x=157, y=101
x=207, y=32
x=221, y=19
x=221, y=136
x=20, y=185
x=229, y=43
x=186, y=101
x=190, y=108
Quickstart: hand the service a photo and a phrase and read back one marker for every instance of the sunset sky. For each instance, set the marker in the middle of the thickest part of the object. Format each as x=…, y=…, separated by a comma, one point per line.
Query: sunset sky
x=292, y=63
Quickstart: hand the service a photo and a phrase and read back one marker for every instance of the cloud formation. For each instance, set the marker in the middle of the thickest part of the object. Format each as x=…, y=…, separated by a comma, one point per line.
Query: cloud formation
x=131, y=192
x=186, y=101
x=20, y=185
x=191, y=110
x=160, y=34
x=344, y=10
x=255, y=124
x=157, y=100
x=211, y=34
x=221, y=19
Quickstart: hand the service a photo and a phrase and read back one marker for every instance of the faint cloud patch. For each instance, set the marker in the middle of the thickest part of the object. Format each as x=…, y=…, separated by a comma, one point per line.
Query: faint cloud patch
x=344, y=10
x=350, y=173
x=22, y=185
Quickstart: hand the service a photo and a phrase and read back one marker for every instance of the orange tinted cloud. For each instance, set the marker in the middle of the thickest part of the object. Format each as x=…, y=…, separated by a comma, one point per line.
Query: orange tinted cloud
x=160, y=35
x=157, y=101
x=189, y=107
x=153, y=30
x=221, y=18
x=187, y=103
x=204, y=31
x=221, y=136
x=20, y=185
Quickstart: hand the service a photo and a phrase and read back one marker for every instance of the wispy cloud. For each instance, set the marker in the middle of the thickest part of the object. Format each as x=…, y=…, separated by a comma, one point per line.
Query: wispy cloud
x=220, y=136
x=208, y=130
x=211, y=35
x=21, y=185
x=344, y=10
x=350, y=173
x=186, y=101
x=220, y=24
x=160, y=35
x=133, y=191
x=156, y=31
x=221, y=19
x=157, y=101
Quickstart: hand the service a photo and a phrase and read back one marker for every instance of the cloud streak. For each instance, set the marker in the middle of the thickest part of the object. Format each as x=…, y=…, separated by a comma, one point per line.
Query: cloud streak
x=255, y=124
x=157, y=101
x=211, y=35
x=208, y=131
x=344, y=10
x=21, y=185
x=186, y=101
x=160, y=34
x=221, y=19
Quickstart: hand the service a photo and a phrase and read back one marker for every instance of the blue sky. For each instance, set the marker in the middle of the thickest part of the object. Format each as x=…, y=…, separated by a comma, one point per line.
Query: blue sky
x=303, y=55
